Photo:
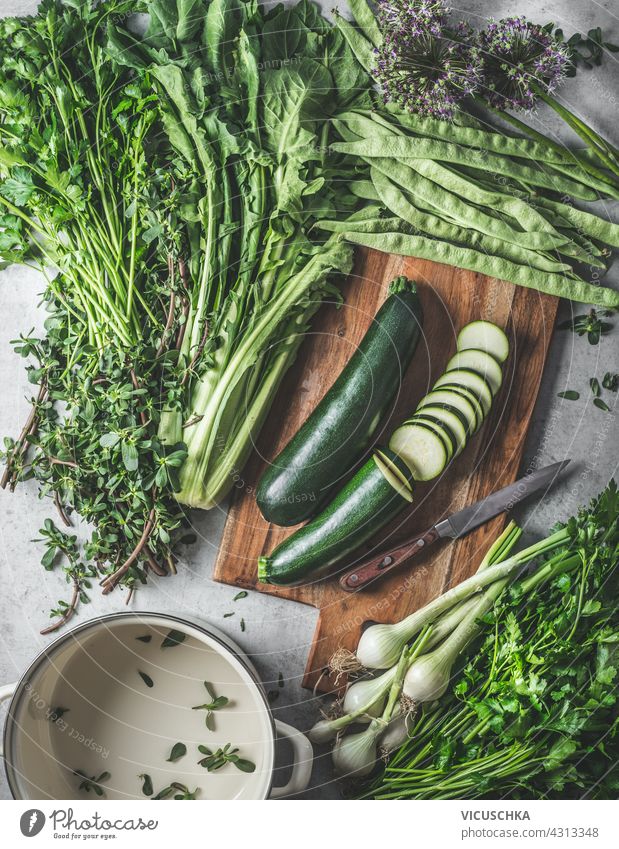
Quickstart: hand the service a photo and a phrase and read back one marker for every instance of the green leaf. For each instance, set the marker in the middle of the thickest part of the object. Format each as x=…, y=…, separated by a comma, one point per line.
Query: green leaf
x=173, y=638
x=595, y=386
x=109, y=440
x=559, y=752
x=130, y=456
x=569, y=395
x=146, y=678
x=19, y=187
x=147, y=784
x=178, y=750
x=601, y=405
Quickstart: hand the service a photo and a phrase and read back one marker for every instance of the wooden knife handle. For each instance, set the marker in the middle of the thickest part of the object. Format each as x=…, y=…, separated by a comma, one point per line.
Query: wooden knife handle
x=382, y=564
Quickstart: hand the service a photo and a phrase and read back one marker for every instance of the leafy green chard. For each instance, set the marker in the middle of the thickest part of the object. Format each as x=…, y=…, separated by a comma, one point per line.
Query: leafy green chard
x=246, y=116
x=532, y=714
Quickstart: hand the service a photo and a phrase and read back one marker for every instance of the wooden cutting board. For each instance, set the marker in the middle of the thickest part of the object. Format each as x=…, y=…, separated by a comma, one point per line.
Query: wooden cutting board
x=451, y=297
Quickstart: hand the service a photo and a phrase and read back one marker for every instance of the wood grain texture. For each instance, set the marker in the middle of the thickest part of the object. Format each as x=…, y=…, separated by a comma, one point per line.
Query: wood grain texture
x=451, y=297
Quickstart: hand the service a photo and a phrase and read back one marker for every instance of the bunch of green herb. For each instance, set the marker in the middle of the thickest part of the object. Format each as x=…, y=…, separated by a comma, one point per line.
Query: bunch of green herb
x=533, y=713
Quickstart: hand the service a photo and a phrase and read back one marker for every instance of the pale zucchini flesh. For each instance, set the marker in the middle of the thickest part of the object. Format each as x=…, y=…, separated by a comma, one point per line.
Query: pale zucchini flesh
x=422, y=449
x=448, y=417
x=472, y=381
x=484, y=336
x=470, y=396
x=452, y=399
x=441, y=429
x=395, y=481
x=479, y=361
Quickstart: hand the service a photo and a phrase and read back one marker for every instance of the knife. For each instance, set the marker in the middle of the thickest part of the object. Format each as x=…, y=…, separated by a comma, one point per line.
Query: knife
x=453, y=527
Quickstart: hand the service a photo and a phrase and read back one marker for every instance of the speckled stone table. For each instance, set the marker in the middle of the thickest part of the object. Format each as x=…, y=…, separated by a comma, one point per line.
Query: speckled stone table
x=278, y=634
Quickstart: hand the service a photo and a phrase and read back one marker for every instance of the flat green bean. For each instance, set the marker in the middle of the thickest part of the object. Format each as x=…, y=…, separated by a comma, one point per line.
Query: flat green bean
x=358, y=43
x=412, y=147
x=575, y=289
x=463, y=213
x=396, y=201
x=591, y=225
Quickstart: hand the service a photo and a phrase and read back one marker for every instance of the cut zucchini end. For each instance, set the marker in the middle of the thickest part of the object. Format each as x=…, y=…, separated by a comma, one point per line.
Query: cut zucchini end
x=397, y=465
x=395, y=481
x=484, y=336
x=263, y=570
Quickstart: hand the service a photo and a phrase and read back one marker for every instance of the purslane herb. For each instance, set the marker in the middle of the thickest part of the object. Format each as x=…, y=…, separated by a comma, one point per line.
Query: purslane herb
x=216, y=703
x=215, y=760
x=92, y=782
x=178, y=750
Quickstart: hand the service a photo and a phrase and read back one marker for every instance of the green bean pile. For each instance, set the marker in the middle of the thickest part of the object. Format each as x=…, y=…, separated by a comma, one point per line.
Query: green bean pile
x=463, y=195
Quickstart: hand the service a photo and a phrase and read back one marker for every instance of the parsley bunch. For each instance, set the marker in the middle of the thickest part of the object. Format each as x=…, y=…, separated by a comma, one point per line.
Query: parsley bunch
x=532, y=714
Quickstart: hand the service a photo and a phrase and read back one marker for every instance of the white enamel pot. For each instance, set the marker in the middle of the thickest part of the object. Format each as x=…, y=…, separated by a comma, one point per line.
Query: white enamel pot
x=96, y=671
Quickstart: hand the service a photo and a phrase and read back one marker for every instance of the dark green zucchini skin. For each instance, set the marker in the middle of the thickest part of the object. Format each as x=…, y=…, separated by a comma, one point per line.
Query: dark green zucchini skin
x=335, y=436
x=358, y=511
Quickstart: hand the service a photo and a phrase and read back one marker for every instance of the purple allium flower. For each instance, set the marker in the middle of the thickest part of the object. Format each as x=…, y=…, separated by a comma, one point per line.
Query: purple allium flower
x=419, y=65
x=520, y=57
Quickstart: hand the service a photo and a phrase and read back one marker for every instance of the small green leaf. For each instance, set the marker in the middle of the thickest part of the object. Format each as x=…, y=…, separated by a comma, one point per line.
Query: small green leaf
x=147, y=784
x=178, y=750
x=595, y=386
x=146, y=678
x=130, y=456
x=145, y=639
x=109, y=440
x=239, y=596
x=569, y=395
x=244, y=765
x=174, y=638
x=601, y=405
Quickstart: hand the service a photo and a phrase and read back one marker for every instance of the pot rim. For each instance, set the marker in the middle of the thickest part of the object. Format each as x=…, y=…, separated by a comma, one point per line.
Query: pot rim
x=227, y=646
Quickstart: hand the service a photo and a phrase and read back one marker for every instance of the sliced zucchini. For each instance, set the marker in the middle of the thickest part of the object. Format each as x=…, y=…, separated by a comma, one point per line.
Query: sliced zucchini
x=484, y=336
x=394, y=479
x=484, y=364
x=448, y=417
x=472, y=381
x=441, y=429
x=396, y=464
x=470, y=396
x=454, y=400
x=422, y=449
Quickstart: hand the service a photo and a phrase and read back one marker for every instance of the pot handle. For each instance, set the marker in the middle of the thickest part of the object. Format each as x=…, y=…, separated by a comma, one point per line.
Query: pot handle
x=5, y=693
x=302, y=764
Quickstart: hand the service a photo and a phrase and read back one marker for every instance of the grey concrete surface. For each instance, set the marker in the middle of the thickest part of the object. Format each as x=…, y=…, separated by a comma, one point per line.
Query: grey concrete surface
x=278, y=634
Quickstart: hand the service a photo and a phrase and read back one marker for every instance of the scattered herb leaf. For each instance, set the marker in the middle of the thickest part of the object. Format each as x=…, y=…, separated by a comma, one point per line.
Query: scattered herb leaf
x=174, y=638
x=239, y=596
x=145, y=678
x=178, y=750
x=569, y=395
x=214, y=760
x=147, y=784
x=92, y=782
x=228, y=615
x=216, y=703
x=280, y=680
x=602, y=405
x=611, y=381
x=146, y=638
x=595, y=386
x=242, y=623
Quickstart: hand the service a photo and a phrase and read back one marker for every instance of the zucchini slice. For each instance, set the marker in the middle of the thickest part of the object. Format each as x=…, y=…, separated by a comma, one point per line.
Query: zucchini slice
x=484, y=364
x=396, y=464
x=394, y=479
x=470, y=396
x=472, y=381
x=422, y=449
x=484, y=336
x=441, y=429
x=450, y=418
x=453, y=400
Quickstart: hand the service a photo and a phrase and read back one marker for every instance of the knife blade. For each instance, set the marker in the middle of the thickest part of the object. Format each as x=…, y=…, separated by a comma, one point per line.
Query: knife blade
x=453, y=527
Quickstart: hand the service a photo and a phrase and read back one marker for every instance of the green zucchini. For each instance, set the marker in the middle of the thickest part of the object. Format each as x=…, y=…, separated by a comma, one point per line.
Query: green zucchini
x=335, y=436
x=373, y=497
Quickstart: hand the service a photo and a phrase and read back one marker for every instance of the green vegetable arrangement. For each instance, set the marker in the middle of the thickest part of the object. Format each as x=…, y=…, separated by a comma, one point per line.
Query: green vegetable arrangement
x=172, y=179
x=491, y=691
x=460, y=192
